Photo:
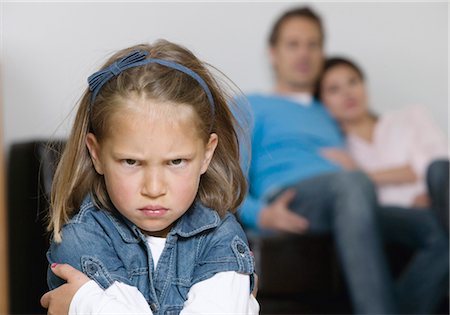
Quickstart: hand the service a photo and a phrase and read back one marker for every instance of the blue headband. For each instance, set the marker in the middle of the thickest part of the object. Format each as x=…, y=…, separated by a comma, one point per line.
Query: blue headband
x=136, y=59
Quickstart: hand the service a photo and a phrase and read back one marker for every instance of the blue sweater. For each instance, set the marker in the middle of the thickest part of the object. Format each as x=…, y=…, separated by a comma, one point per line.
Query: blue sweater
x=286, y=141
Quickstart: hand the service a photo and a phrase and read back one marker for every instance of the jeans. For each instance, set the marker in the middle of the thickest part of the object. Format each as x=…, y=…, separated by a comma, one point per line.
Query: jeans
x=424, y=281
x=344, y=204
x=438, y=189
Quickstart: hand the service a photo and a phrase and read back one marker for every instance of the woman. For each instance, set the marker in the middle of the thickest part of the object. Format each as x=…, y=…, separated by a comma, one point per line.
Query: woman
x=402, y=151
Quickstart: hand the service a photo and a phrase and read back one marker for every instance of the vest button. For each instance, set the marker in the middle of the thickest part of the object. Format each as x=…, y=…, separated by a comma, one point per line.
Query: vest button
x=92, y=268
x=153, y=307
x=240, y=248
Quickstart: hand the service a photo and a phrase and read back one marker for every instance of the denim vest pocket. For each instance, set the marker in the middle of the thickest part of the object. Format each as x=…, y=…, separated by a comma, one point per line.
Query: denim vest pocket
x=245, y=259
x=95, y=270
x=243, y=255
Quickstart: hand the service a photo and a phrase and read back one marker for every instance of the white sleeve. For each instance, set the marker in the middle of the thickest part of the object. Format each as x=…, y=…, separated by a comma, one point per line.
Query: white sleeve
x=119, y=298
x=223, y=293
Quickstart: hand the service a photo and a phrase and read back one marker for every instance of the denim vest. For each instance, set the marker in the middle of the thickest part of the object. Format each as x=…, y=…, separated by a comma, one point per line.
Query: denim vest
x=107, y=247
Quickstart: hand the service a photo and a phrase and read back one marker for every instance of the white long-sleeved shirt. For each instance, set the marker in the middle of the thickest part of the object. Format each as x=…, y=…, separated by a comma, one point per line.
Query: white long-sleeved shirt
x=224, y=293
x=403, y=137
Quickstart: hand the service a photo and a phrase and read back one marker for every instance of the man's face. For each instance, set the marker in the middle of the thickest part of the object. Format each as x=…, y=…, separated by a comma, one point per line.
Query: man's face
x=297, y=55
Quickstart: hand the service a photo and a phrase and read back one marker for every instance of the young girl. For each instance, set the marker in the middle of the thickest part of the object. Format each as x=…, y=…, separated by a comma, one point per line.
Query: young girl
x=145, y=190
x=397, y=150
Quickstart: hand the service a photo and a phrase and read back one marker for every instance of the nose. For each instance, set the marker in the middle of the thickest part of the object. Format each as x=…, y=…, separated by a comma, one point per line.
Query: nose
x=154, y=184
x=302, y=50
x=347, y=90
x=305, y=48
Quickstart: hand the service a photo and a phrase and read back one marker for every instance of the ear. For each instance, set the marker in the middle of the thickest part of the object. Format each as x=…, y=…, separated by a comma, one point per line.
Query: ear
x=94, y=151
x=272, y=52
x=210, y=148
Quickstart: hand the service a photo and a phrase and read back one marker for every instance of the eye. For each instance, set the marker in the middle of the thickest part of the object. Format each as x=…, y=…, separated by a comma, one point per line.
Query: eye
x=292, y=44
x=332, y=89
x=177, y=162
x=314, y=45
x=354, y=81
x=129, y=162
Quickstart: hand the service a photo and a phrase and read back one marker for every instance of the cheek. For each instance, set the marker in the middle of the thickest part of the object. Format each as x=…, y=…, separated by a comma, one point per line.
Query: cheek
x=121, y=189
x=186, y=186
x=317, y=58
x=333, y=103
x=361, y=94
x=286, y=58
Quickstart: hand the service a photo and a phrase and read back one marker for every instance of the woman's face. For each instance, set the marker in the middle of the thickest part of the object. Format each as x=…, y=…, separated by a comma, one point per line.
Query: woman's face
x=344, y=94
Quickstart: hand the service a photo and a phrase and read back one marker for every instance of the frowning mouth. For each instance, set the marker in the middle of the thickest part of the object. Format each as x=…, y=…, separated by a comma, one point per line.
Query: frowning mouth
x=153, y=210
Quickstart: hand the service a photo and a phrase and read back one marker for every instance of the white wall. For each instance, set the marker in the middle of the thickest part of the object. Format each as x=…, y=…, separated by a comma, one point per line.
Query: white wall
x=49, y=49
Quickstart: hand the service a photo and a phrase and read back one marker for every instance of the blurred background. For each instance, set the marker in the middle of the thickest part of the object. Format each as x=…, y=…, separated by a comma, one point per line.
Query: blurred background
x=49, y=49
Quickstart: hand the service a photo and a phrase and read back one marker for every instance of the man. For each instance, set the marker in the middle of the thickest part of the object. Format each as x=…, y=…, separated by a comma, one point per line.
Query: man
x=293, y=187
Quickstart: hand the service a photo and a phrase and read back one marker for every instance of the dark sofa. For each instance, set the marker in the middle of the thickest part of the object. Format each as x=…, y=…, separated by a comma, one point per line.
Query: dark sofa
x=30, y=170
x=297, y=274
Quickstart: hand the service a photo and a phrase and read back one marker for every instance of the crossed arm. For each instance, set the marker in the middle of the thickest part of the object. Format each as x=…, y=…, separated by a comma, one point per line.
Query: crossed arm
x=58, y=301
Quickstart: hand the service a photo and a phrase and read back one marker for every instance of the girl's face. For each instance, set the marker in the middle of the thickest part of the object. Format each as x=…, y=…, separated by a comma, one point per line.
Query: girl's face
x=344, y=94
x=152, y=160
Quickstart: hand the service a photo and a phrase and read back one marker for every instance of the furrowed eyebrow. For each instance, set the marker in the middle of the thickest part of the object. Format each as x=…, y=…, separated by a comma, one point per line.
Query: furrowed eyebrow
x=181, y=155
x=128, y=155
x=137, y=156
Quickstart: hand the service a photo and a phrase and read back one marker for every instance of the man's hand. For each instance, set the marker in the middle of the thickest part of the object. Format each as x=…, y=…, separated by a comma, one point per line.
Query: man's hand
x=340, y=157
x=277, y=216
x=58, y=300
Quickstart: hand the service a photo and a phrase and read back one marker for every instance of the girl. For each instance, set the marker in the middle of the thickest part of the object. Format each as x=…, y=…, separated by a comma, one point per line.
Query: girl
x=145, y=190
x=396, y=150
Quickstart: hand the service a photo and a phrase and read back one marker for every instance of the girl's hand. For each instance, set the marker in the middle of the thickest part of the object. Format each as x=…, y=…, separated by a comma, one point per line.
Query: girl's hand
x=340, y=157
x=422, y=201
x=58, y=300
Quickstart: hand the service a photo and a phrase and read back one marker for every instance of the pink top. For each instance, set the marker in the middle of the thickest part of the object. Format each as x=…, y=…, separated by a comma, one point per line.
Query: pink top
x=407, y=136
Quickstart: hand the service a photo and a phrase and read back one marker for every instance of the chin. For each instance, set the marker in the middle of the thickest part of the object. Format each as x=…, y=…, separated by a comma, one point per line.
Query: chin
x=300, y=84
x=351, y=118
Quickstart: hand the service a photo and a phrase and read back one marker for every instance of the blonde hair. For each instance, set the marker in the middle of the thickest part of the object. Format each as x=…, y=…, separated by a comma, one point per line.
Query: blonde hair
x=221, y=188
